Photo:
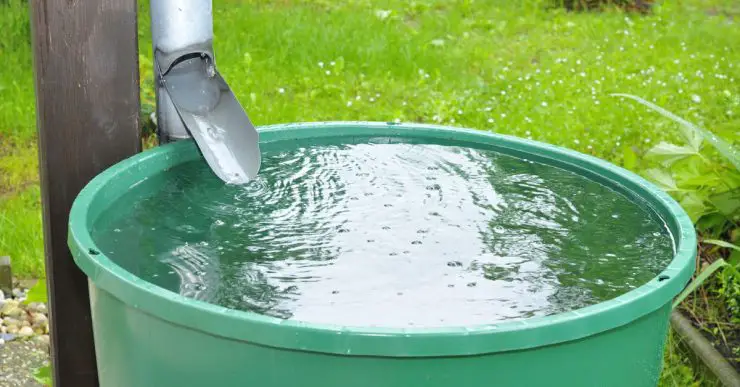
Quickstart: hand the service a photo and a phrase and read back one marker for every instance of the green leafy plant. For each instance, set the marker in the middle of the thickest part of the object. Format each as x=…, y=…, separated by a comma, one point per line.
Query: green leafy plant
x=729, y=289
x=42, y=375
x=37, y=293
x=699, y=280
x=708, y=187
x=708, y=190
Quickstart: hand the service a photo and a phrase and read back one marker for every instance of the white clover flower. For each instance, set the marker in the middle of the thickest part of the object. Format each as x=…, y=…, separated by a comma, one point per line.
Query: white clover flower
x=383, y=14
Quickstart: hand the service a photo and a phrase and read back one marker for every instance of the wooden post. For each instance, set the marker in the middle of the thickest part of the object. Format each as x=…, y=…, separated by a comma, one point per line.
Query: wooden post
x=87, y=97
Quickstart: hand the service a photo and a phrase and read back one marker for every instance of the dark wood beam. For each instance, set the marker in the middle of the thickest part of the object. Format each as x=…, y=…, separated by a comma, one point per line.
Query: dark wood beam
x=87, y=98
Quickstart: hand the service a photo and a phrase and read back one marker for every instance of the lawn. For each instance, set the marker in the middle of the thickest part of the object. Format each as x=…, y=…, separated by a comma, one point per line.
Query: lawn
x=515, y=67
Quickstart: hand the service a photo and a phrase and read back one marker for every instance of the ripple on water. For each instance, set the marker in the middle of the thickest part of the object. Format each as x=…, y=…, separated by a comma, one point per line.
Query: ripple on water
x=387, y=235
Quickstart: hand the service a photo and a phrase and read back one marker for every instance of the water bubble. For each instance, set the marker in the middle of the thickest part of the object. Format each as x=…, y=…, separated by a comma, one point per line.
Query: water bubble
x=211, y=70
x=214, y=133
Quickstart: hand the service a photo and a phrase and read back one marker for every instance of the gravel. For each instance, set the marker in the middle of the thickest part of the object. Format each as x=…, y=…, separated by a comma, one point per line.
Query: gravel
x=18, y=360
x=24, y=337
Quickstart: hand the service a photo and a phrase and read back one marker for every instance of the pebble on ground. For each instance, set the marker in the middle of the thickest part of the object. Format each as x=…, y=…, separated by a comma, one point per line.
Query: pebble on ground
x=24, y=338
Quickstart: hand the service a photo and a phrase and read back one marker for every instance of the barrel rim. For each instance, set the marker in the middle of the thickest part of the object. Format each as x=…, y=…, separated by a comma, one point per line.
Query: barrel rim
x=263, y=330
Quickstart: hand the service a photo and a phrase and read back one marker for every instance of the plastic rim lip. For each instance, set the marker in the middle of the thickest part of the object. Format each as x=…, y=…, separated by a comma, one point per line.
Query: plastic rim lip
x=262, y=330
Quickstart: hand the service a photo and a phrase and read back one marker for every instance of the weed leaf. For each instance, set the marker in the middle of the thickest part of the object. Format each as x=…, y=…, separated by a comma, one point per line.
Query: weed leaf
x=37, y=293
x=728, y=203
x=670, y=153
x=720, y=243
x=699, y=280
x=690, y=130
x=663, y=179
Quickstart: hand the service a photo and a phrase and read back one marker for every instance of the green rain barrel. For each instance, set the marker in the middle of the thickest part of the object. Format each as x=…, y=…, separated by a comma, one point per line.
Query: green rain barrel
x=146, y=335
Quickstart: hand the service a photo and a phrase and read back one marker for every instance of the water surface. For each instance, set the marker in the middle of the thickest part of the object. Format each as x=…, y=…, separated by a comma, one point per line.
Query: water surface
x=393, y=235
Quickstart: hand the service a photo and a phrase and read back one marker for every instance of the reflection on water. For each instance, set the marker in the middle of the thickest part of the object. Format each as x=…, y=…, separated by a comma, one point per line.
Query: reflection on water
x=388, y=235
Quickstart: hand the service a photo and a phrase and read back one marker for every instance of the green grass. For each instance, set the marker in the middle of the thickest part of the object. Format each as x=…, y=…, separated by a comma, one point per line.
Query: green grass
x=20, y=216
x=677, y=367
x=17, y=102
x=515, y=67
x=21, y=237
